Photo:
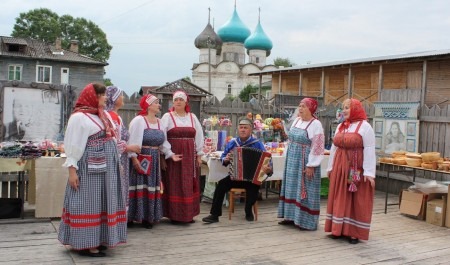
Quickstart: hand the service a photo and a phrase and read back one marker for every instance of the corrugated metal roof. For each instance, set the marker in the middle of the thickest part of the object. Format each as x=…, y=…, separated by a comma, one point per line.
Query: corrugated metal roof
x=11, y=40
x=363, y=60
x=43, y=51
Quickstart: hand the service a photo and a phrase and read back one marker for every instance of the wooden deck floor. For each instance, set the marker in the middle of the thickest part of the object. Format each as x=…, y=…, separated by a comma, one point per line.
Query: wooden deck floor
x=394, y=239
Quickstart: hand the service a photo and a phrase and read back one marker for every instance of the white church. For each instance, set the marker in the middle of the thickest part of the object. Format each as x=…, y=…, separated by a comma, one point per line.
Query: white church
x=228, y=56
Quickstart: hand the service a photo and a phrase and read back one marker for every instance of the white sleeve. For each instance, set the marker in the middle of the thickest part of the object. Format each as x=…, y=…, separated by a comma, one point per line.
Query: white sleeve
x=166, y=122
x=199, y=139
x=165, y=148
x=370, y=160
x=137, y=127
x=332, y=152
x=78, y=130
x=315, y=134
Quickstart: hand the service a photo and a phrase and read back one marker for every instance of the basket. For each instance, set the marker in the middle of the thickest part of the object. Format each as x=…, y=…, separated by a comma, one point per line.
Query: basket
x=413, y=162
x=430, y=157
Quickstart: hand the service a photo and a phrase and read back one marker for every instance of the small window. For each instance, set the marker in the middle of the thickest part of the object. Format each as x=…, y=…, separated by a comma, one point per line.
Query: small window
x=229, y=89
x=43, y=74
x=15, y=72
x=257, y=60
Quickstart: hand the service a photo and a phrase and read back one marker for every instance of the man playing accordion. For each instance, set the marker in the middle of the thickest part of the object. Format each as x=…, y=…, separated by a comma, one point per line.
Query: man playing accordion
x=244, y=139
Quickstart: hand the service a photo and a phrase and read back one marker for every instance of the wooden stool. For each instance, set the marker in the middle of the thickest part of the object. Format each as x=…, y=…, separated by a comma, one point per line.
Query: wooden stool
x=239, y=193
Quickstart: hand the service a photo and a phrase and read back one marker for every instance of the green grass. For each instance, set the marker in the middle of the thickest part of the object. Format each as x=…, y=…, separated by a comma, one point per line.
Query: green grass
x=325, y=183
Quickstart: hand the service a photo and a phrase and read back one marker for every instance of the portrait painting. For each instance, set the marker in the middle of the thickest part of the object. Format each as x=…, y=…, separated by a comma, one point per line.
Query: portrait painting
x=31, y=114
x=395, y=138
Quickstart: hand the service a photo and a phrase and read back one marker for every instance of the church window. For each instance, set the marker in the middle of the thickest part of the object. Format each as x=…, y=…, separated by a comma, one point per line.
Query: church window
x=257, y=60
x=229, y=89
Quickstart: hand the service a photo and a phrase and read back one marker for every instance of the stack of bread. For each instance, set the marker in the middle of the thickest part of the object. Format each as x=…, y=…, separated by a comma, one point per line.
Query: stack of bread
x=399, y=157
x=413, y=159
x=430, y=160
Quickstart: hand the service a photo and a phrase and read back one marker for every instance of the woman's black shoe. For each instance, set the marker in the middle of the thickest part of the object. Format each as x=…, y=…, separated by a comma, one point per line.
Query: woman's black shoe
x=88, y=253
x=102, y=248
x=147, y=225
x=353, y=240
x=286, y=222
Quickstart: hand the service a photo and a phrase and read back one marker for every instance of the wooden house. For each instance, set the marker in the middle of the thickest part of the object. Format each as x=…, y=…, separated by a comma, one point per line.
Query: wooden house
x=32, y=61
x=421, y=77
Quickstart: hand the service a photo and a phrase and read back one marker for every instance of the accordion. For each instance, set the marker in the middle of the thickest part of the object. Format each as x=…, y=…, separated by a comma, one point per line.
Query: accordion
x=246, y=164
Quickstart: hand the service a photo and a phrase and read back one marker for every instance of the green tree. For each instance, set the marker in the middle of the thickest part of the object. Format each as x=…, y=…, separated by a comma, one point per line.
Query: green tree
x=45, y=25
x=107, y=82
x=251, y=89
x=286, y=62
x=40, y=24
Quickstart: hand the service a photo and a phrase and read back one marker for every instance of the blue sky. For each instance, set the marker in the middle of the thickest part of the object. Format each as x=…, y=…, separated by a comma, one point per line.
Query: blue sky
x=153, y=40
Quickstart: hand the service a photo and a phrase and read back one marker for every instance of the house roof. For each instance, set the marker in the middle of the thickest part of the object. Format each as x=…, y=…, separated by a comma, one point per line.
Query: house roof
x=182, y=84
x=370, y=60
x=36, y=49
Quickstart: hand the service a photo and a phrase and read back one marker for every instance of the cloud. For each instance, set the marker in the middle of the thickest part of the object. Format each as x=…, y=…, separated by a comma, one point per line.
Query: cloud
x=153, y=40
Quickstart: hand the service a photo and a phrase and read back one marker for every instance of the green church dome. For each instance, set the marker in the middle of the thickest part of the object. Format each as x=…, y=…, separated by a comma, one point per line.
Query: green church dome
x=234, y=30
x=258, y=40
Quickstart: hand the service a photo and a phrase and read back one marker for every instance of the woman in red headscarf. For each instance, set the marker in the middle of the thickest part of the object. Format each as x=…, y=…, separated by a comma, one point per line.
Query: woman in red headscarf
x=181, y=198
x=299, y=203
x=94, y=214
x=145, y=190
x=351, y=169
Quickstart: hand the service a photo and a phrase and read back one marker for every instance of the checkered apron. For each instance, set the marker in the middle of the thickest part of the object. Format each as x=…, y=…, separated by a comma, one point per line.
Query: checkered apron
x=95, y=214
x=300, y=196
x=145, y=190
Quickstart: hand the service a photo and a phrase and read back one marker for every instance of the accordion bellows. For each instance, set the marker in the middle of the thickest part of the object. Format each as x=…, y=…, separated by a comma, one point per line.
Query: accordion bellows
x=247, y=164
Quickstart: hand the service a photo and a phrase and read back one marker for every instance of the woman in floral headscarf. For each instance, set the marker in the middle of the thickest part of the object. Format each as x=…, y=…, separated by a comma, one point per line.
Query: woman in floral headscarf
x=94, y=214
x=351, y=169
x=181, y=198
x=145, y=190
x=114, y=101
x=299, y=203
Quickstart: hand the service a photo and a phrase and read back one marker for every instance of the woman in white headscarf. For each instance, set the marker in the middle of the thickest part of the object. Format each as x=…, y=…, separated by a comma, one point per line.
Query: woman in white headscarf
x=181, y=198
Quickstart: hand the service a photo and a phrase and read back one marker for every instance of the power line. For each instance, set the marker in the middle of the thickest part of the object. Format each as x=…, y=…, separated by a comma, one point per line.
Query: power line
x=126, y=12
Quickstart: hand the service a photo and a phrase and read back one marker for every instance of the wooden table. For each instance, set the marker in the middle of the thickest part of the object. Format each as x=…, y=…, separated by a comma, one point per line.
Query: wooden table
x=401, y=169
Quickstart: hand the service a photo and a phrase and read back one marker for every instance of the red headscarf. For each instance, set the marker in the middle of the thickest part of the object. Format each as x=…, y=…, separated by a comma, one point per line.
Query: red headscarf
x=311, y=104
x=183, y=95
x=357, y=113
x=88, y=103
x=146, y=101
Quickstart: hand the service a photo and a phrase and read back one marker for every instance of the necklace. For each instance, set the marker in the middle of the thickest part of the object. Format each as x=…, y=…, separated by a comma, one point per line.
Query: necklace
x=179, y=116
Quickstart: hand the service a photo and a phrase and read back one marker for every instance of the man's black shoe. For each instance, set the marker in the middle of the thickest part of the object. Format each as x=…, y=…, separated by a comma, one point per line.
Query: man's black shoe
x=249, y=217
x=211, y=219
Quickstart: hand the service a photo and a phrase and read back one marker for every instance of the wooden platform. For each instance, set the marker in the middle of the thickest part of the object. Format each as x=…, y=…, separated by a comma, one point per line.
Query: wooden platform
x=394, y=239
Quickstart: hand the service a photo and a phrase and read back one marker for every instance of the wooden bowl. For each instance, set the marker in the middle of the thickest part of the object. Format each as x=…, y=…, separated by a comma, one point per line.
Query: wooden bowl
x=413, y=155
x=430, y=157
x=413, y=162
x=430, y=165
